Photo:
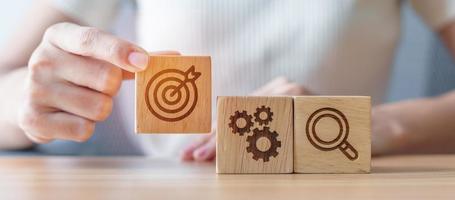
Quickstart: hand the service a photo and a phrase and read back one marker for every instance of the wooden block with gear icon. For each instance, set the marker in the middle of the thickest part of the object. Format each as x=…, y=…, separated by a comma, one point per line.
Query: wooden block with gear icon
x=174, y=95
x=254, y=135
x=332, y=134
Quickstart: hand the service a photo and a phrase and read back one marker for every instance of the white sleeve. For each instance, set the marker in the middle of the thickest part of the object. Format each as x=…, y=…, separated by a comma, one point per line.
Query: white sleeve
x=97, y=13
x=436, y=13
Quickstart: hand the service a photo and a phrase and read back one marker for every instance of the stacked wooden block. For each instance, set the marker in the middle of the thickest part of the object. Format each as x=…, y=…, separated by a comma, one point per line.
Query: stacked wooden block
x=305, y=134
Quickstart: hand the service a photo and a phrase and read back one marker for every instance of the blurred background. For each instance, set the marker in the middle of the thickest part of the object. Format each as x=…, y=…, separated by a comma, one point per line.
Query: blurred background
x=422, y=65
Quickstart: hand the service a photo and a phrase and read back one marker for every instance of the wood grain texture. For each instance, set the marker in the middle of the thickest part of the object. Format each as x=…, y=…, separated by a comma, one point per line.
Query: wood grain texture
x=240, y=151
x=321, y=123
x=86, y=178
x=174, y=95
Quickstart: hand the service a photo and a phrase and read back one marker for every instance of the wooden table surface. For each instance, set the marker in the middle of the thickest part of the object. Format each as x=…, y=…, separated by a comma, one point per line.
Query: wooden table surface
x=401, y=177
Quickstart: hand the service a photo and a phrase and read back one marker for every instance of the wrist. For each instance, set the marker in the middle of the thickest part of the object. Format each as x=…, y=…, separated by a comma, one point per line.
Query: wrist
x=12, y=84
x=399, y=127
x=389, y=132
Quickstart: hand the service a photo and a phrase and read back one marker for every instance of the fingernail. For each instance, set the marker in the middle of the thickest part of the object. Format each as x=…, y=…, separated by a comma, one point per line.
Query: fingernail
x=138, y=59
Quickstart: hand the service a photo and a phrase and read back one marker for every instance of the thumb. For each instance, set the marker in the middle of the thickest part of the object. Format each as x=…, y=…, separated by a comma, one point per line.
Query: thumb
x=129, y=75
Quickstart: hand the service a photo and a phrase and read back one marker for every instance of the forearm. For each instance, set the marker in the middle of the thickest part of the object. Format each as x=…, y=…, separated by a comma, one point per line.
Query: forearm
x=421, y=126
x=11, y=88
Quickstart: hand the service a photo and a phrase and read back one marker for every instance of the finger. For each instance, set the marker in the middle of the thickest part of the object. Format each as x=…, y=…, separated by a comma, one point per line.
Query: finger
x=71, y=127
x=59, y=125
x=92, y=73
x=77, y=100
x=206, y=152
x=38, y=139
x=92, y=42
x=289, y=89
x=170, y=53
x=128, y=75
x=187, y=153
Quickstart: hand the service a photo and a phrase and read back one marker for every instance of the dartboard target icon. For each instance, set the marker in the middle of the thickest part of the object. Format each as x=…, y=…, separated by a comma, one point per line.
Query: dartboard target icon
x=171, y=95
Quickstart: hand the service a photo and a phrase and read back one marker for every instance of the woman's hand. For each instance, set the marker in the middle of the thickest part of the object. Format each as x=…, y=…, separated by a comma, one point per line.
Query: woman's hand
x=204, y=149
x=406, y=127
x=72, y=78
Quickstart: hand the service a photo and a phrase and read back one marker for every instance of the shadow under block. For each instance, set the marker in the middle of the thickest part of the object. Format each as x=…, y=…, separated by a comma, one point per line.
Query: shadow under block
x=332, y=134
x=254, y=135
x=174, y=95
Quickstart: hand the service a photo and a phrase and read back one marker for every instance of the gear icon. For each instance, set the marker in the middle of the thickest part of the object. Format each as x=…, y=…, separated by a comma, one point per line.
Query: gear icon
x=248, y=122
x=271, y=151
x=257, y=115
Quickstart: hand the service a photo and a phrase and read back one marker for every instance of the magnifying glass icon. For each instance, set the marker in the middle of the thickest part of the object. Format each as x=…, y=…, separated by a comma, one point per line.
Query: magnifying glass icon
x=340, y=142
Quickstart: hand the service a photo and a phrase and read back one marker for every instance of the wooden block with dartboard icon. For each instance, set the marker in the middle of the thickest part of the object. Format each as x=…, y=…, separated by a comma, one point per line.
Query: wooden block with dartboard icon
x=254, y=135
x=174, y=95
x=332, y=134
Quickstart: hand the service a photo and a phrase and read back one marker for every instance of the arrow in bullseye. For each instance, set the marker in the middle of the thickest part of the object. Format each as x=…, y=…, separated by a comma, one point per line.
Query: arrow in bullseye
x=190, y=76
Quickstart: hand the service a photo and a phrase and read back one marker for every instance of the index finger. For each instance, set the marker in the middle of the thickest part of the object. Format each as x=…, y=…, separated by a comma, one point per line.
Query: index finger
x=92, y=42
x=128, y=75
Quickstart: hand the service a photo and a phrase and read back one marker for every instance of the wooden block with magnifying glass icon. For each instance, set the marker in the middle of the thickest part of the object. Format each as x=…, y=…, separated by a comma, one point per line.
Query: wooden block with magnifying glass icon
x=254, y=135
x=332, y=134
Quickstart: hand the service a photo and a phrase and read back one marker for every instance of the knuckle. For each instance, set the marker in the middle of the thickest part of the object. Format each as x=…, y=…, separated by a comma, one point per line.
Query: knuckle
x=110, y=81
x=89, y=36
x=103, y=108
x=399, y=135
x=287, y=89
x=40, y=62
x=54, y=29
x=29, y=118
x=36, y=92
x=293, y=88
x=83, y=130
x=51, y=30
x=118, y=50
